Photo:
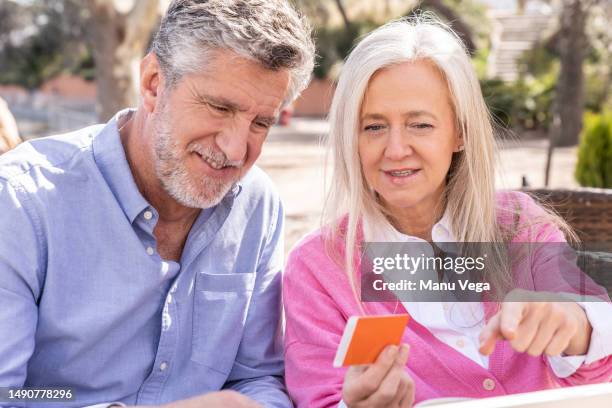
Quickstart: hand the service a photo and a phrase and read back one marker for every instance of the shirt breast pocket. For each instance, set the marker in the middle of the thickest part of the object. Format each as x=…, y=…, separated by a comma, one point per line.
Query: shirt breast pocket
x=220, y=309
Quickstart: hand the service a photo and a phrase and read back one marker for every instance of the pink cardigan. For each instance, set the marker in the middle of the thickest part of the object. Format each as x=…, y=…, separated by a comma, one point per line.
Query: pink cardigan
x=318, y=301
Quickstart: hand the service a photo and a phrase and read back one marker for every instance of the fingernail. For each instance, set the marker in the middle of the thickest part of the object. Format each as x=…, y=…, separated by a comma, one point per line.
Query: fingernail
x=391, y=351
x=405, y=351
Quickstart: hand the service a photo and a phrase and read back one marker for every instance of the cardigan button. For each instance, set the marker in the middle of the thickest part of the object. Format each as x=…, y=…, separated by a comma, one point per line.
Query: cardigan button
x=488, y=384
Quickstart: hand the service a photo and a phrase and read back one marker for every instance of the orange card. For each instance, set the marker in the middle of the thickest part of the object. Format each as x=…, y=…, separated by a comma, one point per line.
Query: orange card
x=366, y=336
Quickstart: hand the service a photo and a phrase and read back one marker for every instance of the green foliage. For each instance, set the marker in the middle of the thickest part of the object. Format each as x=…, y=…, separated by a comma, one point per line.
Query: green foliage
x=538, y=61
x=597, y=91
x=31, y=63
x=594, y=167
x=523, y=104
x=51, y=39
x=479, y=61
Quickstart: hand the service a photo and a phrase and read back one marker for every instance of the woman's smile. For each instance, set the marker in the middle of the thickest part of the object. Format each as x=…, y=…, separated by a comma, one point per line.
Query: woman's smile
x=402, y=176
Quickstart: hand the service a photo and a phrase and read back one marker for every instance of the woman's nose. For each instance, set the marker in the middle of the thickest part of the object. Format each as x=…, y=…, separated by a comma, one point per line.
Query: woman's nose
x=398, y=144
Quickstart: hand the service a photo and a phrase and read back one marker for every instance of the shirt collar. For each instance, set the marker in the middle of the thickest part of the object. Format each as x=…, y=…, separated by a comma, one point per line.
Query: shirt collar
x=110, y=158
x=381, y=230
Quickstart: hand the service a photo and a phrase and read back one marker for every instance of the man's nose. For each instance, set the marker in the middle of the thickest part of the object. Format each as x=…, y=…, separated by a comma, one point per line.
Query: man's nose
x=398, y=144
x=233, y=141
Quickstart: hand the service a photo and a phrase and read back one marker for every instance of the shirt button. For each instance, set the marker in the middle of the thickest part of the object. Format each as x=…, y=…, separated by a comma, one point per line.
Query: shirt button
x=460, y=343
x=150, y=251
x=488, y=384
x=445, y=307
x=148, y=215
x=163, y=366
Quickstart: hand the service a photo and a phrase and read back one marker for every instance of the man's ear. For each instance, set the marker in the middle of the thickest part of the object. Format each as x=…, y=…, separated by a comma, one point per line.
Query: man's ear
x=150, y=81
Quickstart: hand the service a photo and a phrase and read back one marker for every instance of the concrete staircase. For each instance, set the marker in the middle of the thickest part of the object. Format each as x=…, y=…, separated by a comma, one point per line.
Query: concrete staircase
x=513, y=34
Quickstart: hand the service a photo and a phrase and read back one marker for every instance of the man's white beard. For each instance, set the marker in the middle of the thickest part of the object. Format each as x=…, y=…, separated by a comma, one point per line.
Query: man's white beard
x=171, y=170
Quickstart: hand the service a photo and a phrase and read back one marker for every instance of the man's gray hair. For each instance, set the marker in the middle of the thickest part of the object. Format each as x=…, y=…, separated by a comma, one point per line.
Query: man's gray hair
x=270, y=32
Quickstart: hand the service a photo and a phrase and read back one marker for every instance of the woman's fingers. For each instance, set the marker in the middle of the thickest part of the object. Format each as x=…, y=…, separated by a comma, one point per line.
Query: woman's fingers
x=404, y=379
x=393, y=386
x=401, y=389
x=533, y=327
x=512, y=314
x=564, y=330
x=388, y=389
x=519, y=323
x=360, y=384
x=408, y=397
x=376, y=372
x=516, y=322
x=527, y=329
x=507, y=324
x=559, y=342
x=402, y=355
x=490, y=334
x=382, y=384
x=551, y=321
x=404, y=391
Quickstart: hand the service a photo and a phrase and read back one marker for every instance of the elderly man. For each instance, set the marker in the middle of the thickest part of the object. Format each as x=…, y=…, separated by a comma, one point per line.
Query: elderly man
x=140, y=260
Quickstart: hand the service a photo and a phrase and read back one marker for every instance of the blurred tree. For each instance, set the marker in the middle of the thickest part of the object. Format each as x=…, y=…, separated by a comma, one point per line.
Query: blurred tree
x=598, y=68
x=11, y=18
x=120, y=32
x=342, y=12
x=569, y=98
x=41, y=39
x=447, y=11
x=568, y=105
x=317, y=11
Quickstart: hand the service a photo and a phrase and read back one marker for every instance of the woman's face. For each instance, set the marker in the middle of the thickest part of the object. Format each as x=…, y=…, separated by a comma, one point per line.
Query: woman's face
x=407, y=135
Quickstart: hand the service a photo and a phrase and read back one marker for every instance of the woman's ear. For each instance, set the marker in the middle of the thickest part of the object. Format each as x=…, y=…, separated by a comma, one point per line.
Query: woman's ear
x=459, y=144
x=150, y=81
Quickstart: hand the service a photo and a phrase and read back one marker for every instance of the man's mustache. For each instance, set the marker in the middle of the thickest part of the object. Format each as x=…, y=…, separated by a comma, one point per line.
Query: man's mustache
x=216, y=156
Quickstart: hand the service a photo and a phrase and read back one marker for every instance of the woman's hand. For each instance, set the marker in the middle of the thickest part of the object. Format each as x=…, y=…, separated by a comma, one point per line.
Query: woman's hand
x=538, y=327
x=382, y=384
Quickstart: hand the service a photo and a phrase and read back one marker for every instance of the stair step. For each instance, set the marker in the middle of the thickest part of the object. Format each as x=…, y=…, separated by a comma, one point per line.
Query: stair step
x=518, y=33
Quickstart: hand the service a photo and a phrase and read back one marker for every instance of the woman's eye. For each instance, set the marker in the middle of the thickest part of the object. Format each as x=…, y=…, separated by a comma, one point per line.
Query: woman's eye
x=422, y=126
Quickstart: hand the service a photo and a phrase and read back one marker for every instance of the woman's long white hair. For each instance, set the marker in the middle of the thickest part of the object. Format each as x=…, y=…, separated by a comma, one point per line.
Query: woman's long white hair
x=469, y=198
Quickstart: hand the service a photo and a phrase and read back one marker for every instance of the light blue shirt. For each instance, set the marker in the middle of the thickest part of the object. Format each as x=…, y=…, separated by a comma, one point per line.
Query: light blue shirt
x=86, y=301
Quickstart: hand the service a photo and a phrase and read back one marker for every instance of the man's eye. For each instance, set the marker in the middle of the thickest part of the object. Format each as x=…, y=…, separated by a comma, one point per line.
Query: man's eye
x=374, y=128
x=218, y=108
x=262, y=125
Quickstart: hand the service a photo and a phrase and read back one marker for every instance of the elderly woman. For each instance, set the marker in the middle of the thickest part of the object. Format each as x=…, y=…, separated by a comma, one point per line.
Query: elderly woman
x=413, y=151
